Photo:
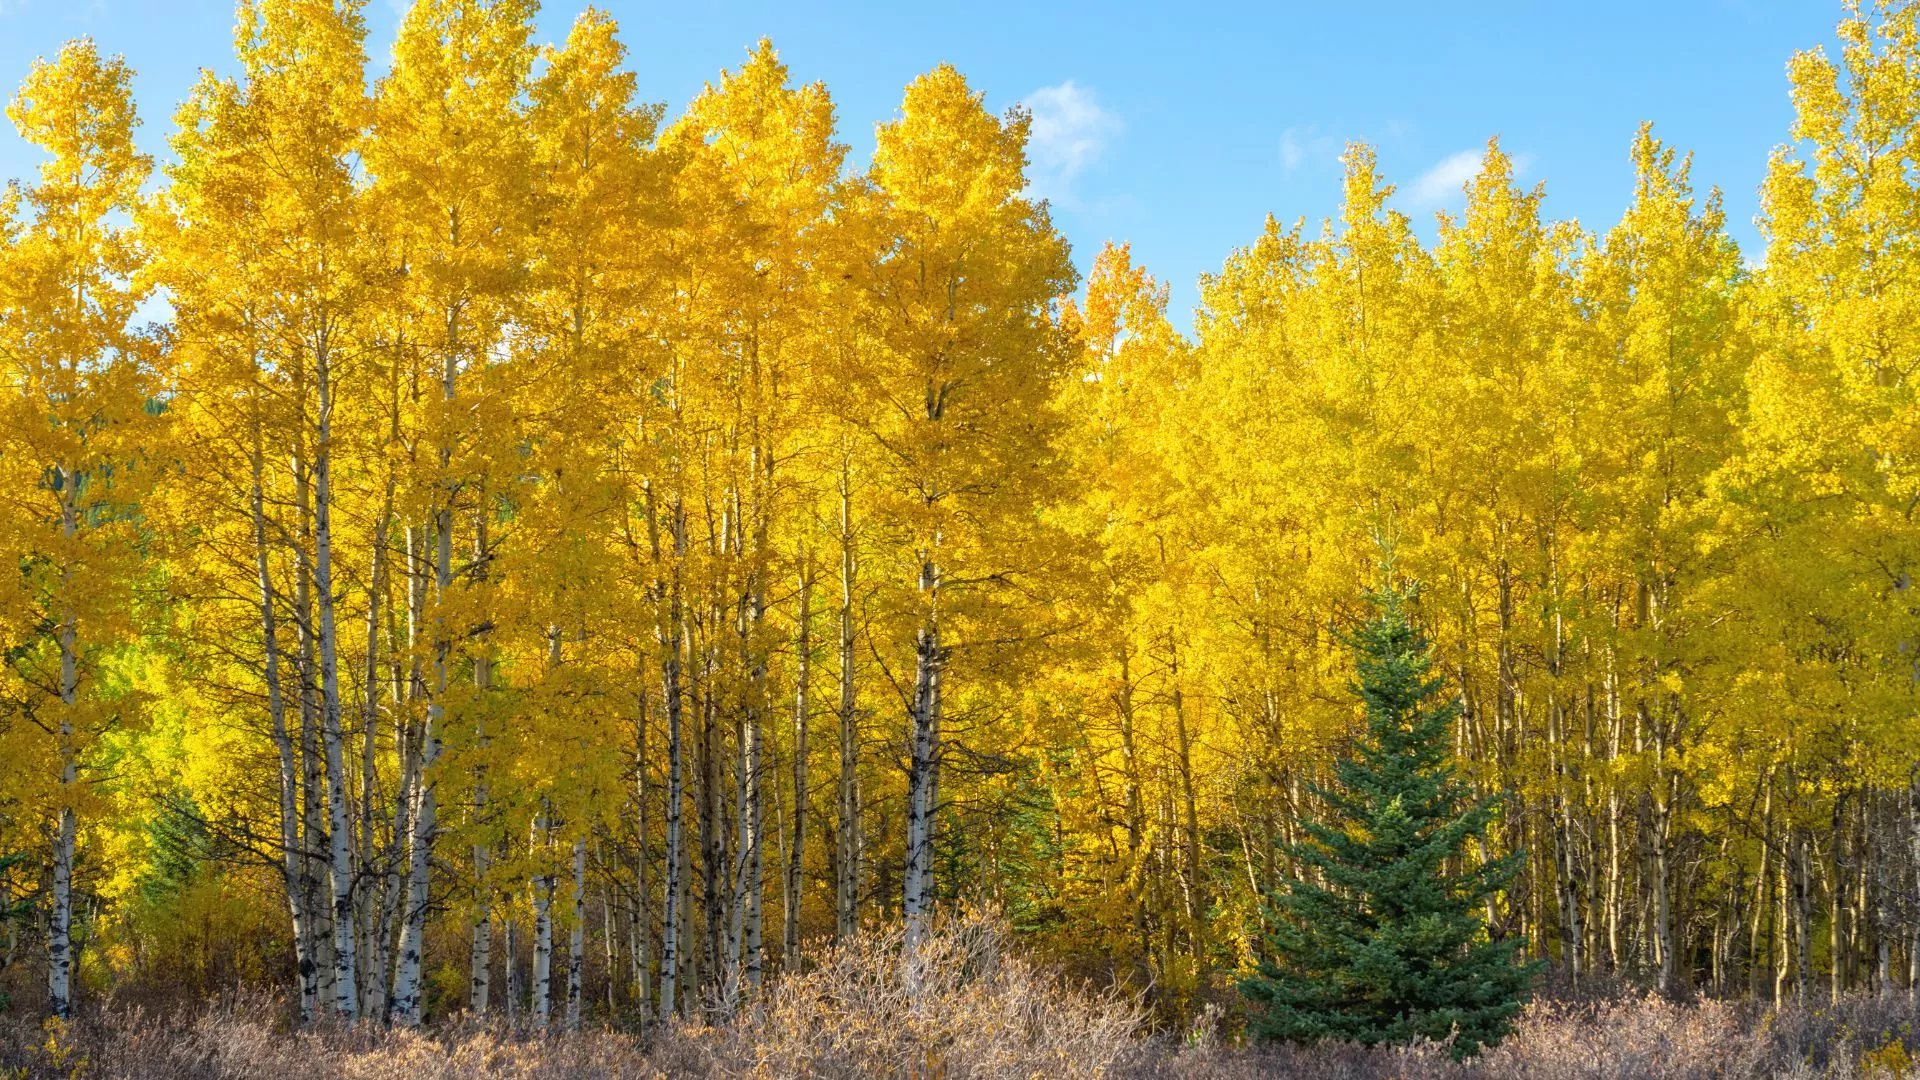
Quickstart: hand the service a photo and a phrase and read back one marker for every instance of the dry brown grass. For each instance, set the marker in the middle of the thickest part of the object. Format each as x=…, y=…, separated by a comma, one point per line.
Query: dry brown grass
x=981, y=1012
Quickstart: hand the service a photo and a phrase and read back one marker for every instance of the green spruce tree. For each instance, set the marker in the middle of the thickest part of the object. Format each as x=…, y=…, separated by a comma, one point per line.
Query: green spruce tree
x=1377, y=935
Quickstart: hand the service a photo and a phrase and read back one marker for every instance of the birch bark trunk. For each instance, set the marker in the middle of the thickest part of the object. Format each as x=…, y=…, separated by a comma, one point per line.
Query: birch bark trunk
x=479, y=980
x=846, y=906
x=60, y=958
x=407, y=987
x=577, y=939
x=640, y=932
x=346, y=975
x=373, y=953
x=542, y=926
x=669, y=634
x=292, y=864
x=924, y=749
x=796, y=855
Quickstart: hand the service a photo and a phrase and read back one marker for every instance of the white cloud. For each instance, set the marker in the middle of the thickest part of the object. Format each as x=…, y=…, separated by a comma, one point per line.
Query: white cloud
x=1443, y=181
x=1304, y=145
x=1070, y=131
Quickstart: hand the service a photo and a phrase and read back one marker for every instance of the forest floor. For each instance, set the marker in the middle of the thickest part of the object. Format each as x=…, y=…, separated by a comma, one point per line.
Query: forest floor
x=980, y=1011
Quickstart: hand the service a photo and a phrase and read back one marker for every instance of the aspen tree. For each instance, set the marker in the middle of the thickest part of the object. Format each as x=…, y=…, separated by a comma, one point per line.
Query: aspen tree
x=448, y=156
x=961, y=303
x=760, y=172
x=71, y=437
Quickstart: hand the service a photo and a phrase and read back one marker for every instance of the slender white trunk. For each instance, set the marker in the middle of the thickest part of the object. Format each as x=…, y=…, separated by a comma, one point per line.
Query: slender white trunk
x=675, y=914
x=313, y=810
x=406, y=983
x=60, y=924
x=640, y=931
x=1885, y=827
x=577, y=941
x=670, y=927
x=480, y=969
x=542, y=929
x=1662, y=886
x=796, y=855
x=373, y=952
x=480, y=977
x=921, y=779
x=514, y=989
x=1913, y=842
x=609, y=941
x=346, y=1000
x=846, y=893
x=752, y=813
x=292, y=863
x=1802, y=914
x=60, y=958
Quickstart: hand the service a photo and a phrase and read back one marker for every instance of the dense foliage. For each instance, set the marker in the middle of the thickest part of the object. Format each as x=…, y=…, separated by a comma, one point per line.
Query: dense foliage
x=543, y=543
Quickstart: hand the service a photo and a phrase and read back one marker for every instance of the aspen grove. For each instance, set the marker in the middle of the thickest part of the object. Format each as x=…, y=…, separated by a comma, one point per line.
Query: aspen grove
x=474, y=541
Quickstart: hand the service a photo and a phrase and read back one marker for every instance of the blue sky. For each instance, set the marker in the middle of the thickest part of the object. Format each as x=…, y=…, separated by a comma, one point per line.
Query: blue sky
x=1177, y=126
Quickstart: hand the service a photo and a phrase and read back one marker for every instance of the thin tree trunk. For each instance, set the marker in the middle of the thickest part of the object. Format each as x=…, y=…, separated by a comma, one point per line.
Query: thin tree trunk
x=846, y=907
x=796, y=855
x=714, y=864
x=542, y=924
x=373, y=955
x=577, y=940
x=346, y=976
x=515, y=991
x=479, y=981
x=313, y=788
x=1836, y=904
x=752, y=855
x=1913, y=929
x=1196, y=902
x=1802, y=915
x=292, y=864
x=669, y=633
x=407, y=986
x=60, y=952
x=609, y=937
x=924, y=748
x=641, y=932
x=1660, y=831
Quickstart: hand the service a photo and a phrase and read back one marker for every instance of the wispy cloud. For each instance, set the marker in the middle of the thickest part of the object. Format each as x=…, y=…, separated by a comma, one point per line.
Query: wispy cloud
x=1070, y=132
x=1306, y=145
x=1444, y=180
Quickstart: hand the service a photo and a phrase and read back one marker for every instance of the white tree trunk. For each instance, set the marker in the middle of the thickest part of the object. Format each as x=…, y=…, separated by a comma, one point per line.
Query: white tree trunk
x=514, y=989
x=542, y=930
x=60, y=958
x=292, y=863
x=675, y=912
x=921, y=776
x=796, y=855
x=640, y=928
x=60, y=926
x=346, y=1000
x=846, y=900
x=480, y=969
x=406, y=983
x=752, y=822
x=314, y=872
x=372, y=925
x=577, y=940
x=1913, y=841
